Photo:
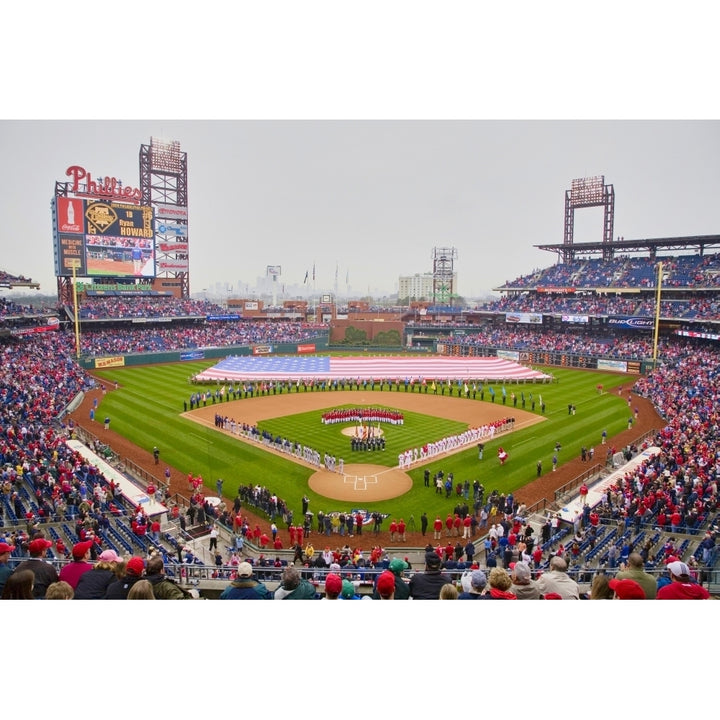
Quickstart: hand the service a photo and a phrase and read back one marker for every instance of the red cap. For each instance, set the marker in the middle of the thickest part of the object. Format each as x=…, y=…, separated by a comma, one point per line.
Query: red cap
x=38, y=545
x=333, y=583
x=4, y=547
x=135, y=566
x=79, y=549
x=386, y=583
x=627, y=589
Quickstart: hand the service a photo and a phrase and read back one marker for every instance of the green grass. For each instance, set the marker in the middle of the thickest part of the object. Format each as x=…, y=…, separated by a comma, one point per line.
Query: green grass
x=146, y=409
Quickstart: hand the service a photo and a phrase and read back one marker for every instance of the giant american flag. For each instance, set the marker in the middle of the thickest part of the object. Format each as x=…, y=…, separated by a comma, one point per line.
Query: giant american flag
x=303, y=367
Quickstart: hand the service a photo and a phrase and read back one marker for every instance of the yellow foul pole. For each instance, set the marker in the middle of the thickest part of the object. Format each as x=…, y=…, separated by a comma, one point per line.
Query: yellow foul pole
x=77, y=315
x=657, y=312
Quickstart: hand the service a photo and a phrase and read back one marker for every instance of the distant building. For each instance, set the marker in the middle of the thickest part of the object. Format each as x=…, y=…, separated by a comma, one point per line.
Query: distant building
x=414, y=287
x=419, y=285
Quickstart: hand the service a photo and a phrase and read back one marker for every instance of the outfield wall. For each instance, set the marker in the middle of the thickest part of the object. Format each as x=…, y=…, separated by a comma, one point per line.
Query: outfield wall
x=543, y=357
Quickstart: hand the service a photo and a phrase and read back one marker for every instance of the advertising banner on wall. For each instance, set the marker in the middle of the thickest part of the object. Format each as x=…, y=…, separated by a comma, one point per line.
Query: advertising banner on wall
x=171, y=212
x=631, y=323
x=612, y=365
x=509, y=355
x=531, y=318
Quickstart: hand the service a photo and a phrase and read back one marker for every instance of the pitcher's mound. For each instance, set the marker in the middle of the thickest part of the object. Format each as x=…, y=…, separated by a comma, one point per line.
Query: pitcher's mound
x=361, y=483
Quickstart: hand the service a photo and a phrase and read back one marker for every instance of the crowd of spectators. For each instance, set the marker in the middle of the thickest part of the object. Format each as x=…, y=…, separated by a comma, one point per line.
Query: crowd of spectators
x=11, y=309
x=706, y=307
x=694, y=271
x=614, y=346
x=144, y=306
x=106, y=341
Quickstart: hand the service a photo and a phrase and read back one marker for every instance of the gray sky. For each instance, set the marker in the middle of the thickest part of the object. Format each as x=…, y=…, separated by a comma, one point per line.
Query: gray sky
x=365, y=199
x=373, y=198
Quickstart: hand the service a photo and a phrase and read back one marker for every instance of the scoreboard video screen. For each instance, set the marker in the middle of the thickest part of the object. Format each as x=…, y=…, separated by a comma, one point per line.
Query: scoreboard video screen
x=100, y=238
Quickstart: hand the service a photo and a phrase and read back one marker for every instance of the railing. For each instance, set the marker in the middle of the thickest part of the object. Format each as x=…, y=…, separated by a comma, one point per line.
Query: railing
x=591, y=473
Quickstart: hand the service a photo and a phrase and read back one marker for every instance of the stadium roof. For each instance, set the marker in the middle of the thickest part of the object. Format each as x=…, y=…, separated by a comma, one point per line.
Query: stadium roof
x=651, y=245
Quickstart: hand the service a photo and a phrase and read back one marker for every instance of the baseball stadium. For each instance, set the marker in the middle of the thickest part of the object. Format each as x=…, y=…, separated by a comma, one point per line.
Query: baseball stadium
x=558, y=443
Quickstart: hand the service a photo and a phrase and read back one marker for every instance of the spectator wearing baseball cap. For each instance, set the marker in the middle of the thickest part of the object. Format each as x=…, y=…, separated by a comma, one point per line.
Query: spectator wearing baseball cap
x=245, y=586
x=5, y=569
x=474, y=584
x=626, y=589
x=45, y=573
x=72, y=571
x=426, y=585
x=396, y=567
x=333, y=586
x=348, y=591
x=385, y=586
x=681, y=586
x=119, y=589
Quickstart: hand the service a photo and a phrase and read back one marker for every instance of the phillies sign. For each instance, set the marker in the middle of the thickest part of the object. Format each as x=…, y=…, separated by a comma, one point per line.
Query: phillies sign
x=105, y=188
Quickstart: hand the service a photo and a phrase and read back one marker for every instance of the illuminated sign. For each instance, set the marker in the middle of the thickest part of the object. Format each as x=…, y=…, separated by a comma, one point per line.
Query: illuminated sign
x=633, y=323
x=95, y=238
x=175, y=247
x=70, y=215
x=109, y=188
x=532, y=318
x=119, y=219
x=70, y=254
x=170, y=212
x=178, y=230
x=165, y=265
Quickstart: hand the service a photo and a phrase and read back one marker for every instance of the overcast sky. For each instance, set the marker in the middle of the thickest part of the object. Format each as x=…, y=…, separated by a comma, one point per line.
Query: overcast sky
x=366, y=200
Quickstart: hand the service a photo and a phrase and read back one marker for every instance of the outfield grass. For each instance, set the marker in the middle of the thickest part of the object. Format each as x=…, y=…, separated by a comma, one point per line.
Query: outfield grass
x=146, y=409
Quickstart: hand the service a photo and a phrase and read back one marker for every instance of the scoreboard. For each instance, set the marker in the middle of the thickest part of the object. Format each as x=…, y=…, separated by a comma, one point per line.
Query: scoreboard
x=103, y=238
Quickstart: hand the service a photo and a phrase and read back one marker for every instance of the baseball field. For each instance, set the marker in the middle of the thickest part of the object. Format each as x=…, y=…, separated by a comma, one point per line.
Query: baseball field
x=150, y=407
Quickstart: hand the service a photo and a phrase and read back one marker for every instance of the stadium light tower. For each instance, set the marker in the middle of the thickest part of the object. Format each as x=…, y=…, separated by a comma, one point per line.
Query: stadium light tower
x=443, y=275
x=163, y=181
x=589, y=192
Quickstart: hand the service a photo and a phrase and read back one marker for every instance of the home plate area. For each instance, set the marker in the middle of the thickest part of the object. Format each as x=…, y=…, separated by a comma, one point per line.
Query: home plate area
x=361, y=482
